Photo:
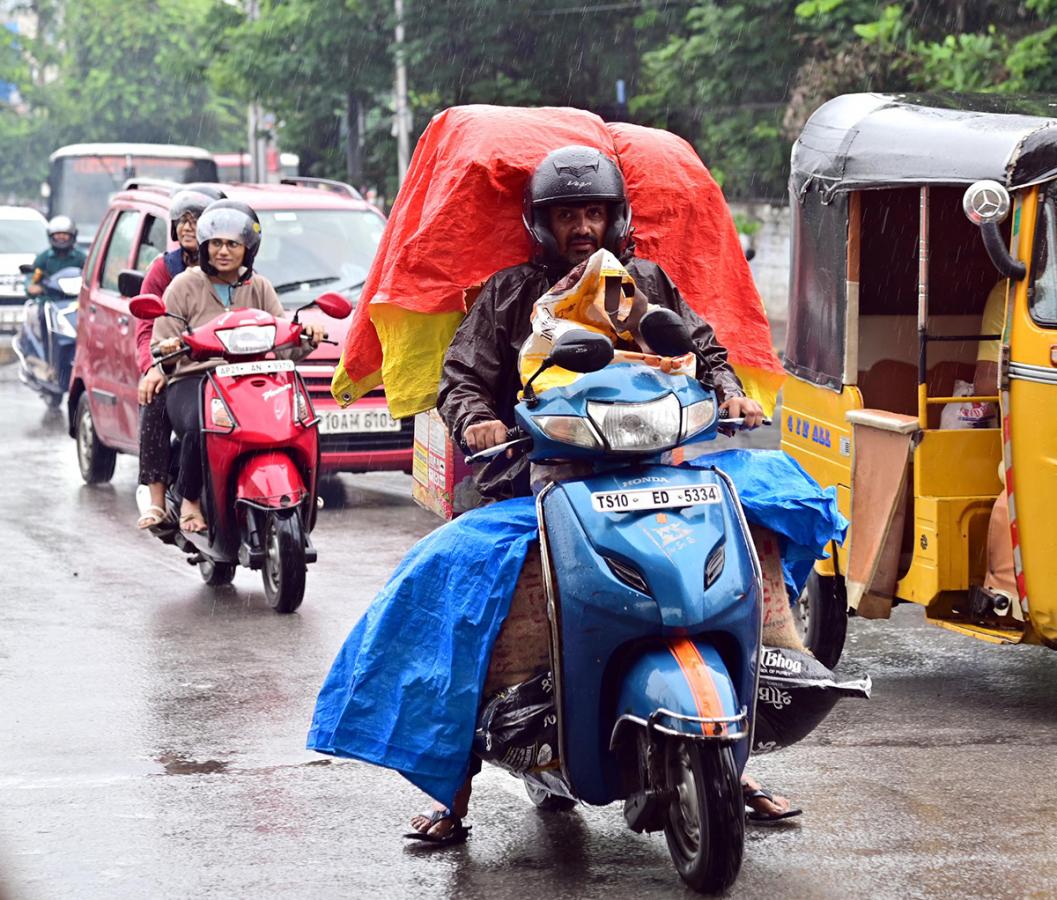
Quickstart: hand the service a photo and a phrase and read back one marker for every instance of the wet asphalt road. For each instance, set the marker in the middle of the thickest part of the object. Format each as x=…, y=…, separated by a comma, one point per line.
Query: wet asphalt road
x=151, y=735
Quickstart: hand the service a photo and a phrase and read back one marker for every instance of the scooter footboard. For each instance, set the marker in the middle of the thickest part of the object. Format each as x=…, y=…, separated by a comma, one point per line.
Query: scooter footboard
x=682, y=688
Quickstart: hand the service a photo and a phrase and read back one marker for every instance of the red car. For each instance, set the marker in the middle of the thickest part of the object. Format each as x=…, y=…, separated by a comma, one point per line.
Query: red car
x=314, y=239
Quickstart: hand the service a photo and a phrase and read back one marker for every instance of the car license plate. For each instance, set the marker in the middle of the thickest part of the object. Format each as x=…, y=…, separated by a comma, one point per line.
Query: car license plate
x=655, y=498
x=352, y=421
x=260, y=367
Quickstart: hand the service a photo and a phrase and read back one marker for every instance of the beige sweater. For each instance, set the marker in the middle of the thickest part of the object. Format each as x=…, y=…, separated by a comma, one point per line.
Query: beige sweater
x=192, y=295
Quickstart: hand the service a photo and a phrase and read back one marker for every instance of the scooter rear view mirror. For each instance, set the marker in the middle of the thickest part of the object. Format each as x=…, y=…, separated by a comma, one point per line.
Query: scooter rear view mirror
x=334, y=305
x=581, y=351
x=147, y=306
x=26, y=268
x=666, y=333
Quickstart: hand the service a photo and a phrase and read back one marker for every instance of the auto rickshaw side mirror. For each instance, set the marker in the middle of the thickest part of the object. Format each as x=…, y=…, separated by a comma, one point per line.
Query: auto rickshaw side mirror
x=986, y=204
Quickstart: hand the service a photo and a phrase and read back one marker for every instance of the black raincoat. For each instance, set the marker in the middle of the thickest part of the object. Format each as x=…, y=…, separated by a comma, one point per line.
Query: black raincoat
x=480, y=379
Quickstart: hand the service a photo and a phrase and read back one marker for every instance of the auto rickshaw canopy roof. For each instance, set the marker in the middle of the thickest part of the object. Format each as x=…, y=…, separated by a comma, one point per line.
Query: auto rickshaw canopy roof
x=861, y=141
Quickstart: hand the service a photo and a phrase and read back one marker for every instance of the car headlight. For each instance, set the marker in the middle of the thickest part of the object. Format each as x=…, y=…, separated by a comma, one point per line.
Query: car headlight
x=71, y=287
x=653, y=425
x=697, y=417
x=574, y=430
x=248, y=338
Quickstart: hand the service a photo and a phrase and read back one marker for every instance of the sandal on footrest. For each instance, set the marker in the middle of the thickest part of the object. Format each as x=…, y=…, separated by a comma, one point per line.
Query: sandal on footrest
x=457, y=835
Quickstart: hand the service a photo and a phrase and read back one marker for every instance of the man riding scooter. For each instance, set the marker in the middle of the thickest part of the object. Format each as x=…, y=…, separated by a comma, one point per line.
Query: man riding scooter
x=62, y=256
x=574, y=204
x=62, y=253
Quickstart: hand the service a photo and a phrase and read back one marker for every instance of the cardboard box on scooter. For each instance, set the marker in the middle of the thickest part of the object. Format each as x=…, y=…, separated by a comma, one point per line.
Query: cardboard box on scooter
x=442, y=481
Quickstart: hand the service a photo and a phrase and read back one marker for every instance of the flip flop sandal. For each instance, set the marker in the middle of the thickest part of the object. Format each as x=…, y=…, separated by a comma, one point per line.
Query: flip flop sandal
x=761, y=818
x=152, y=517
x=457, y=835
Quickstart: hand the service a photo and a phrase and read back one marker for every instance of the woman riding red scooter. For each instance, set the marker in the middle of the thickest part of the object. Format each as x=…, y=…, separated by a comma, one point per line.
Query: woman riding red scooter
x=229, y=234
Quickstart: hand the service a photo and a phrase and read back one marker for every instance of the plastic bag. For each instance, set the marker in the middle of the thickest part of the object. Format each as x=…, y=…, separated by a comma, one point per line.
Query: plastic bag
x=967, y=415
x=795, y=693
x=517, y=728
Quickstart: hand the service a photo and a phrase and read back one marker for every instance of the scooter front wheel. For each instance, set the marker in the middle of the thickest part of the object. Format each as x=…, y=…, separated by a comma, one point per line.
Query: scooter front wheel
x=705, y=825
x=284, y=562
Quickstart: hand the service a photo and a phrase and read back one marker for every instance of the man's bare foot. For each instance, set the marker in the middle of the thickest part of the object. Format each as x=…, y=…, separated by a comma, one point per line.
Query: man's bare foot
x=766, y=807
x=443, y=822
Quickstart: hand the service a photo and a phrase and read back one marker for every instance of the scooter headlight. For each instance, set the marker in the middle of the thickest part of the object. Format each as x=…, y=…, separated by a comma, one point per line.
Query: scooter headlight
x=697, y=417
x=574, y=430
x=639, y=427
x=248, y=338
x=71, y=287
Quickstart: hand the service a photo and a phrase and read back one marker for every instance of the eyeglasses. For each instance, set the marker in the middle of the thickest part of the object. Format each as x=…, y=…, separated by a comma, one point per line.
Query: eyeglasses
x=217, y=243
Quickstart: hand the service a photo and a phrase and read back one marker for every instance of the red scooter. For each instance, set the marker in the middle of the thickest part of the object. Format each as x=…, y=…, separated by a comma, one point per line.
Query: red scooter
x=260, y=450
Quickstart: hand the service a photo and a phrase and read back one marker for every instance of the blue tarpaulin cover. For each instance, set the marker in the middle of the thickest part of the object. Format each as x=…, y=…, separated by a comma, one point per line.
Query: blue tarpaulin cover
x=404, y=689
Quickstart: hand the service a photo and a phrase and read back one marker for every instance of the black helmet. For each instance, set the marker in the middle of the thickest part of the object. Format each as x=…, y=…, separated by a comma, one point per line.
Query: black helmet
x=62, y=225
x=569, y=176
x=233, y=221
x=193, y=199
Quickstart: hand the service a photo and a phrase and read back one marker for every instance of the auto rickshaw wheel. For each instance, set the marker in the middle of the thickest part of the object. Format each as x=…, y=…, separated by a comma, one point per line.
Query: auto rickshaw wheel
x=705, y=824
x=822, y=617
x=95, y=460
x=284, y=562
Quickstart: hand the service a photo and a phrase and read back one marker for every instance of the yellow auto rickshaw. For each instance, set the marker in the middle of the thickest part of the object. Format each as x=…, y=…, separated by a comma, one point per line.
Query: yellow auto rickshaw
x=906, y=267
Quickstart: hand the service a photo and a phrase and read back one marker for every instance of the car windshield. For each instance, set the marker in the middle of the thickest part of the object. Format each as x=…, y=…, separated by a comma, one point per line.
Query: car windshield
x=306, y=252
x=22, y=236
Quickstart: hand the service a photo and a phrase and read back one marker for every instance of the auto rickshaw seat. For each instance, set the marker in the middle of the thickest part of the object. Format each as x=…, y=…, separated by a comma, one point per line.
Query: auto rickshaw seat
x=892, y=385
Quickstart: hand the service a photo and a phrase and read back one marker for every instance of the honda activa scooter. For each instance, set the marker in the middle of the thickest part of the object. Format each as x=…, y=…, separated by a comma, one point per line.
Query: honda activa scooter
x=46, y=341
x=260, y=450
x=654, y=597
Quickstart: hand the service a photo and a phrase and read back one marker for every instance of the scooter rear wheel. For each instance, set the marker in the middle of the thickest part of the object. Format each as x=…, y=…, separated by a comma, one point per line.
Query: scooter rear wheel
x=284, y=563
x=544, y=800
x=96, y=461
x=822, y=617
x=705, y=825
x=216, y=574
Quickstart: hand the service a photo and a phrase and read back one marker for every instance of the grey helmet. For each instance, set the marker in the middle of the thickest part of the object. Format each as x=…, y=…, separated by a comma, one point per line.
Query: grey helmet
x=233, y=221
x=192, y=199
x=575, y=175
x=62, y=225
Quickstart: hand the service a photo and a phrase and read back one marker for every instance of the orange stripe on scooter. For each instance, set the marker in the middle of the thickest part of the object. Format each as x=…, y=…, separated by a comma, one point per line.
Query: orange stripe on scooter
x=699, y=678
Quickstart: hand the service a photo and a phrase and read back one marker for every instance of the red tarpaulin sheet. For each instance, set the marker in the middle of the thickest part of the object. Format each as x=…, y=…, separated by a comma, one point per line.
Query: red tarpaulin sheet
x=457, y=220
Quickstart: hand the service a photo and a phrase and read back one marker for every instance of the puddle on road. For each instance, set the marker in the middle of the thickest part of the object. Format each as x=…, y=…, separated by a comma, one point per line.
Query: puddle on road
x=175, y=764
x=179, y=765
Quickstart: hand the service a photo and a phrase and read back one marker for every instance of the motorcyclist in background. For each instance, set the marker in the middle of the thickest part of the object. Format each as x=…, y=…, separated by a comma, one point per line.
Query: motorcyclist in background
x=61, y=254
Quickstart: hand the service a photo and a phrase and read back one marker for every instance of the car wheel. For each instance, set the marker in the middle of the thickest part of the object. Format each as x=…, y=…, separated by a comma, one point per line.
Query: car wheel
x=95, y=459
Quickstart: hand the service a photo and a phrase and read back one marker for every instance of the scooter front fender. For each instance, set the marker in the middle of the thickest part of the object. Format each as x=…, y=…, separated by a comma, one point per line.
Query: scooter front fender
x=681, y=688
x=270, y=479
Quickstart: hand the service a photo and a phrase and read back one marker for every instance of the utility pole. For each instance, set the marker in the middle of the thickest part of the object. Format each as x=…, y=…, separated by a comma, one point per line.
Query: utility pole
x=402, y=124
x=254, y=116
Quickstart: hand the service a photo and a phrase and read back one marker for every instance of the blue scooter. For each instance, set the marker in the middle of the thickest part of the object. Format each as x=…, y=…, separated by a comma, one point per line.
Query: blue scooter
x=654, y=600
x=46, y=341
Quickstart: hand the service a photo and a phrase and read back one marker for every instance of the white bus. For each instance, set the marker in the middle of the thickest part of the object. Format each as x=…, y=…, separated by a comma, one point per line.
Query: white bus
x=83, y=177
